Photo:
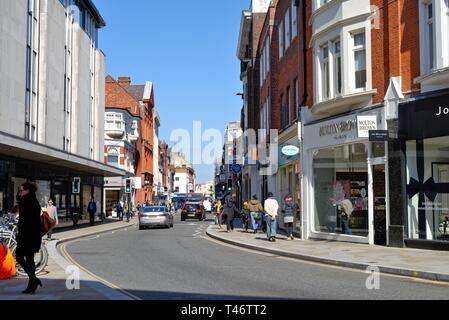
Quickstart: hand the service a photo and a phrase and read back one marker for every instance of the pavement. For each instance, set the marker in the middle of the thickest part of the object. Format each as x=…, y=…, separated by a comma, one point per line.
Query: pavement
x=55, y=278
x=424, y=264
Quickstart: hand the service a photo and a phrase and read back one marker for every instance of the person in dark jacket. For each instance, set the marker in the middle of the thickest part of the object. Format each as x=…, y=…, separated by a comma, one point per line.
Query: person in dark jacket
x=229, y=211
x=29, y=238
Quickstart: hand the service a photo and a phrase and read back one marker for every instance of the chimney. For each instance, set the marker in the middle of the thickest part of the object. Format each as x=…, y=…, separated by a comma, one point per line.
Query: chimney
x=124, y=81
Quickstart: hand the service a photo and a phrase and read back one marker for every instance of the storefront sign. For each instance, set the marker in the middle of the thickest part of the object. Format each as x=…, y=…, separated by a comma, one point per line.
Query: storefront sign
x=365, y=124
x=378, y=135
x=424, y=118
x=336, y=128
x=290, y=150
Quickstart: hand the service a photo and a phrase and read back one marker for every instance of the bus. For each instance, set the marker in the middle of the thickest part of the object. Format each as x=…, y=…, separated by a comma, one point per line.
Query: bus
x=178, y=200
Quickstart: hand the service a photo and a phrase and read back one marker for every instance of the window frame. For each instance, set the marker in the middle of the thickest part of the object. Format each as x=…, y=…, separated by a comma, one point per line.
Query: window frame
x=325, y=72
x=287, y=30
x=356, y=49
x=294, y=10
x=281, y=39
x=337, y=63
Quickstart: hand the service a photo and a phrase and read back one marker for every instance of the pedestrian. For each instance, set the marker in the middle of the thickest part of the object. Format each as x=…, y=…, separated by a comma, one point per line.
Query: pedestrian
x=289, y=210
x=256, y=212
x=346, y=211
x=218, y=212
x=52, y=212
x=229, y=212
x=29, y=238
x=245, y=214
x=119, y=210
x=92, y=209
x=271, y=209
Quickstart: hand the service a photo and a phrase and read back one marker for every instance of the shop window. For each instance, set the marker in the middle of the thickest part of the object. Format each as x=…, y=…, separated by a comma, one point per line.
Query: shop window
x=341, y=180
x=428, y=189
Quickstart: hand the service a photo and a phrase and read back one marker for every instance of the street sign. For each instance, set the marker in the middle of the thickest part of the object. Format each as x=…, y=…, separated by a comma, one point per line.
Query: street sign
x=378, y=135
x=236, y=168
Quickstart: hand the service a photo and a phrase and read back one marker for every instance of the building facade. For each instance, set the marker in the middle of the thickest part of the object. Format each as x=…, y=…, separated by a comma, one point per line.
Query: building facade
x=52, y=103
x=138, y=100
x=184, y=177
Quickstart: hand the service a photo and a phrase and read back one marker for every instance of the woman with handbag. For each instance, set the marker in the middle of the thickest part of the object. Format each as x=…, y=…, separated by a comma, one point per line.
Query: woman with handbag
x=29, y=236
x=289, y=210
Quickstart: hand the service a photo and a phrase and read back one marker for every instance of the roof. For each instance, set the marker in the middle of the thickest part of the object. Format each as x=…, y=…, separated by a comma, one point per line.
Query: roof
x=137, y=91
x=99, y=21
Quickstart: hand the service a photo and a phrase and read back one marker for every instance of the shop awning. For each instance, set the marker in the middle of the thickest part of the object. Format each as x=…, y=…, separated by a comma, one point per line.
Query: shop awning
x=16, y=147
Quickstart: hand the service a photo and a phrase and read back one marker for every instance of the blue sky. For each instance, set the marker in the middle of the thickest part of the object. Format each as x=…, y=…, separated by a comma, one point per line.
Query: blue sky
x=187, y=49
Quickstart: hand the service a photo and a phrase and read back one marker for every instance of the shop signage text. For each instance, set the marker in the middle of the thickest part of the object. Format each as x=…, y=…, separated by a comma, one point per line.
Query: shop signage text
x=336, y=128
x=290, y=150
x=365, y=124
x=378, y=135
x=442, y=111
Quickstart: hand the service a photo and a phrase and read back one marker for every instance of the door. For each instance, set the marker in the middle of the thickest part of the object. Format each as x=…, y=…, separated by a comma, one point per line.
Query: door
x=380, y=205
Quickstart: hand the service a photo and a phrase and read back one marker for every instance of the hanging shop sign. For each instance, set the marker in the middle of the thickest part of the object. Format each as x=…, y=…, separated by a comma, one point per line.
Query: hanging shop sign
x=290, y=150
x=378, y=135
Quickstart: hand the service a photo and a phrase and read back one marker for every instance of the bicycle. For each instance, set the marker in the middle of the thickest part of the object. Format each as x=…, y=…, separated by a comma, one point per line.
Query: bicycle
x=8, y=235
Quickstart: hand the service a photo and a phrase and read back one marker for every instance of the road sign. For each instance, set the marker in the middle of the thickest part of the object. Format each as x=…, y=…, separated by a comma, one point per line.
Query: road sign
x=236, y=168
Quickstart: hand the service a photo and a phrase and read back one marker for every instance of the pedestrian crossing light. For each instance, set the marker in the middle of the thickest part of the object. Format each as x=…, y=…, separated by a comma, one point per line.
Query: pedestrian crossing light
x=128, y=186
x=76, y=185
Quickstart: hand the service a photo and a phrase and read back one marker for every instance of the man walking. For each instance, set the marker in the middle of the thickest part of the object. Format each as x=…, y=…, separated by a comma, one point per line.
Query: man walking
x=92, y=209
x=271, y=208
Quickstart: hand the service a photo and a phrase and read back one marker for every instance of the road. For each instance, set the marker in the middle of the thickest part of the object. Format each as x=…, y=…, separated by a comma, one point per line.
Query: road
x=183, y=263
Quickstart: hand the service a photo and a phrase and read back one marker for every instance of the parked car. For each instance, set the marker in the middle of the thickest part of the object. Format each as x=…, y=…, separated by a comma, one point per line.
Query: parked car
x=193, y=210
x=155, y=216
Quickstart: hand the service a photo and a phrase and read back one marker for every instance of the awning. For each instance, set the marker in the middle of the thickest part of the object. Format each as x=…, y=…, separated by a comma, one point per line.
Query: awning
x=17, y=147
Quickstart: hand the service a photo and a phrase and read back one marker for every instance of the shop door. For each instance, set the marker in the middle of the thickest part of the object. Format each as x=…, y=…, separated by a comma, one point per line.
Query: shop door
x=380, y=205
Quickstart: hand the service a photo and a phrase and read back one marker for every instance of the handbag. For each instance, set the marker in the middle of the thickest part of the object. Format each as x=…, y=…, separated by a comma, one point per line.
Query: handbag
x=256, y=216
x=7, y=263
x=47, y=224
x=288, y=219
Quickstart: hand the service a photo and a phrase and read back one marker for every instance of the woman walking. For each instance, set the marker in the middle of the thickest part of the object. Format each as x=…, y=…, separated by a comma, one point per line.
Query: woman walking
x=256, y=210
x=218, y=210
x=289, y=210
x=29, y=238
x=229, y=211
x=52, y=212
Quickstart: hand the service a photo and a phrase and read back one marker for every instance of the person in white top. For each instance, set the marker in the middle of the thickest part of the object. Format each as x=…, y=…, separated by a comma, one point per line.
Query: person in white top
x=271, y=207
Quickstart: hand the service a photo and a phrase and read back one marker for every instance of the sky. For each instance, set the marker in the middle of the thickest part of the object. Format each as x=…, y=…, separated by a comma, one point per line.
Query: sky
x=188, y=50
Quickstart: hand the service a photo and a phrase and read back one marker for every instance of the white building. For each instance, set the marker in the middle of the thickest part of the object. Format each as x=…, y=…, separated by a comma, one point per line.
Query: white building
x=52, y=101
x=184, y=178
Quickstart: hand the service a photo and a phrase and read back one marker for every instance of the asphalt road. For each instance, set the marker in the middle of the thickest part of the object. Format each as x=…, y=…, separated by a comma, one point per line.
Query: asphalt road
x=183, y=263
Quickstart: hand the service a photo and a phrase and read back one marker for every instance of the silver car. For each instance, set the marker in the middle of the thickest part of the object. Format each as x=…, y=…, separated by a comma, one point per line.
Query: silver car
x=156, y=216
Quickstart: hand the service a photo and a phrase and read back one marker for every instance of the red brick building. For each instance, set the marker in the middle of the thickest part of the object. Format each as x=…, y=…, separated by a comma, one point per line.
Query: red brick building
x=139, y=101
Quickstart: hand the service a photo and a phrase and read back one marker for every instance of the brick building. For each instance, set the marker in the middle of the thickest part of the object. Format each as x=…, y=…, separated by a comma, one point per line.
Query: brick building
x=138, y=100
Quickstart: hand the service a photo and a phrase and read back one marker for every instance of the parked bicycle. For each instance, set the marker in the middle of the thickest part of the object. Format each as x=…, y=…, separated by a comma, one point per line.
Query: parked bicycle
x=8, y=235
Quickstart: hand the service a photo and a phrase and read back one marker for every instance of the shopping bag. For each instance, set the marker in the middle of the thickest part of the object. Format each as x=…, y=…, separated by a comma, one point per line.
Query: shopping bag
x=7, y=263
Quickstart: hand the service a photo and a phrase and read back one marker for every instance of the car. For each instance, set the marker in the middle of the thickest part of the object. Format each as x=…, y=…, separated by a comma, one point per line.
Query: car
x=193, y=210
x=155, y=216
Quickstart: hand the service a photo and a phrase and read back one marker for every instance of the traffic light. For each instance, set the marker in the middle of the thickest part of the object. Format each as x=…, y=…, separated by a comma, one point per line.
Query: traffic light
x=128, y=186
x=76, y=185
x=229, y=184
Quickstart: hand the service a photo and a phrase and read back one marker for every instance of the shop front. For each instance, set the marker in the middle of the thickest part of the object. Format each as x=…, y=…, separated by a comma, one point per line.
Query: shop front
x=424, y=134
x=346, y=179
x=289, y=171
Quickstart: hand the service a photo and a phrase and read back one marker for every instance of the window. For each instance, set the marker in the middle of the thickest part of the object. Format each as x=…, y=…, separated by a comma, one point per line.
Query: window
x=430, y=34
x=281, y=40
x=177, y=179
x=296, y=97
x=295, y=19
x=325, y=77
x=114, y=121
x=337, y=67
x=287, y=29
x=360, y=60
x=113, y=155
